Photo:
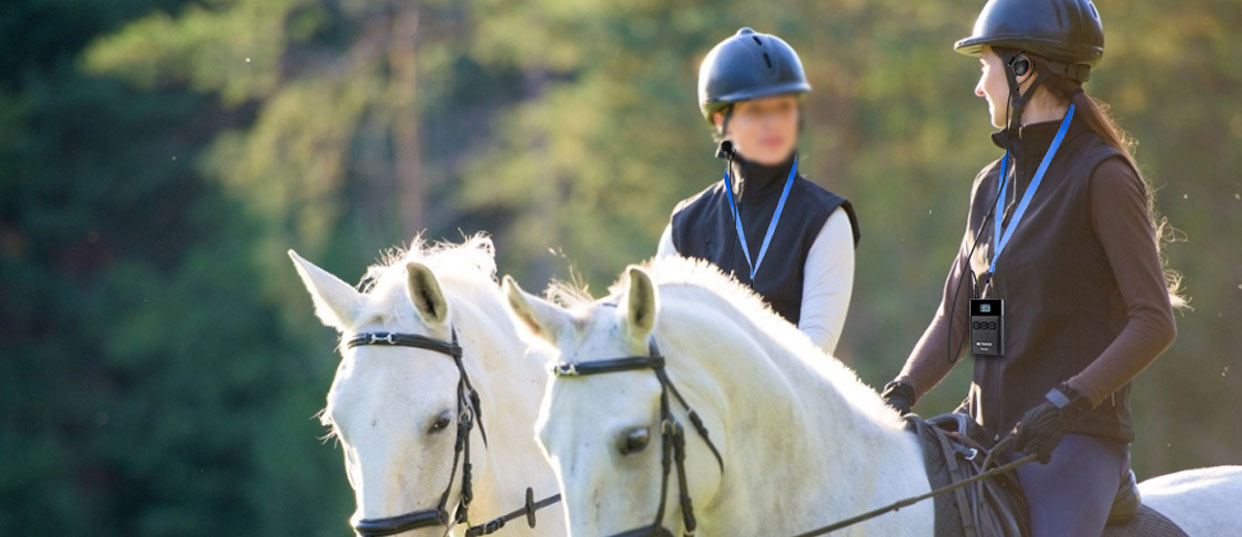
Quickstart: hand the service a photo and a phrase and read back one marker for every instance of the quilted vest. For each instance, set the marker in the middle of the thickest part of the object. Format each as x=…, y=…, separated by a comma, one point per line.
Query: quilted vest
x=1063, y=306
x=703, y=227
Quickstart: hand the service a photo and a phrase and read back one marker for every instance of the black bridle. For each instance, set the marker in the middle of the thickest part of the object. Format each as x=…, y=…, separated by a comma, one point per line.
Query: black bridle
x=468, y=411
x=672, y=434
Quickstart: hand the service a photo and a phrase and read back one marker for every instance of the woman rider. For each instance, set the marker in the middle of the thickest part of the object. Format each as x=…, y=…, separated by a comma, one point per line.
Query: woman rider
x=789, y=239
x=1086, y=303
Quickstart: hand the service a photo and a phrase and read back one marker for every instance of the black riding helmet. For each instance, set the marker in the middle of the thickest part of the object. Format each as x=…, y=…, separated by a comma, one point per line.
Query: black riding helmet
x=748, y=65
x=1066, y=33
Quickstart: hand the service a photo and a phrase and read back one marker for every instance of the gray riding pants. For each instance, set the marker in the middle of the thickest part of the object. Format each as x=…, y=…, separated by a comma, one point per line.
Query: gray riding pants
x=1071, y=495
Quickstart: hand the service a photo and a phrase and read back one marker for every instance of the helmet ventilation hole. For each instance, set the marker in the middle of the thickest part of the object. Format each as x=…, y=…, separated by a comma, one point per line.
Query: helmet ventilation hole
x=757, y=40
x=767, y=60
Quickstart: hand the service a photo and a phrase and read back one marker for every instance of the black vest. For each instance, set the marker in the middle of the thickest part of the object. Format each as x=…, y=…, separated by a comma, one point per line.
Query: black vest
x=1063, y=306
x=702, y=226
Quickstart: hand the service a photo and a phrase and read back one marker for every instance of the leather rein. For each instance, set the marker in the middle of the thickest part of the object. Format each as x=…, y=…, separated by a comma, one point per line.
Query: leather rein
x=469, y=411
x=672, y=434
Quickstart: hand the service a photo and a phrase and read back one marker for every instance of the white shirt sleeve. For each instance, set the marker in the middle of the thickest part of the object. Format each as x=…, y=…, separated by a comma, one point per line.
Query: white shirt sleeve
x=666, y=246
x=828, y=282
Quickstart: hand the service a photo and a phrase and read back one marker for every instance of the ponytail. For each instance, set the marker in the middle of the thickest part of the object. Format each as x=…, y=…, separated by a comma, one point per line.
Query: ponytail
x=1095, y=113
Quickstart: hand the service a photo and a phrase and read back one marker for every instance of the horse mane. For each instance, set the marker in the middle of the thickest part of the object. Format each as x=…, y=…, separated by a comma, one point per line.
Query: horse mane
x=568, y=294
x=706, y=281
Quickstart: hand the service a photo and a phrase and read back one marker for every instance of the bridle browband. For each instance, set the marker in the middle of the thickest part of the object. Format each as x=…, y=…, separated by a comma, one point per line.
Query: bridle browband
x=672, y=434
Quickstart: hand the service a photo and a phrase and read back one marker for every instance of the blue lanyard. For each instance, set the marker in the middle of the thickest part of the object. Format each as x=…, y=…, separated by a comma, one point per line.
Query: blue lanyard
x=776, y=217
x=1026, y=198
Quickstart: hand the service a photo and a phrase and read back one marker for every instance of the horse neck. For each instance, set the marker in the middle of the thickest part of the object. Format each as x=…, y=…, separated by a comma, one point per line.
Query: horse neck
x=510, y=379
x=801, y=418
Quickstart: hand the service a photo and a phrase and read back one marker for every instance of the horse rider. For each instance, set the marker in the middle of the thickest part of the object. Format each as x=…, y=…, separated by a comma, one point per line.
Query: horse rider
x=1084, y=300
x=750, y=89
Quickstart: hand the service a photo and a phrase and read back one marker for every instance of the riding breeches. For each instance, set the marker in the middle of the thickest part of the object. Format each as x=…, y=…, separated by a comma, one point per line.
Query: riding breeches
x=1072, y=494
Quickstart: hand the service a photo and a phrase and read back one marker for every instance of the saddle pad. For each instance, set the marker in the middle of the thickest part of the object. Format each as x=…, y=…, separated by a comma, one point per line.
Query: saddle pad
x=1146, y=523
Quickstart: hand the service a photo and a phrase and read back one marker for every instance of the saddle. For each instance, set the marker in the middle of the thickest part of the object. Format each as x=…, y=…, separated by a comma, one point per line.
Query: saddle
x=1129, y=517
x=955, y=448
x=1146, y=522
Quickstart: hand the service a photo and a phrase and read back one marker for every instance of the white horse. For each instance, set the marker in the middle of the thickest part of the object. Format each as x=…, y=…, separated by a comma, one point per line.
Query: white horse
x=804, y=442
x=397, y=410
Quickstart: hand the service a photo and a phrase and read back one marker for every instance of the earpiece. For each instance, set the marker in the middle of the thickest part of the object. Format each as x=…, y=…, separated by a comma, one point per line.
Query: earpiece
x=1020, y=64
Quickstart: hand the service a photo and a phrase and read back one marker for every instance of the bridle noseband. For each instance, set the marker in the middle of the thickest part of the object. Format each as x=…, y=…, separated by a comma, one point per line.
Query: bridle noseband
x=672, y=434
x=468, y=412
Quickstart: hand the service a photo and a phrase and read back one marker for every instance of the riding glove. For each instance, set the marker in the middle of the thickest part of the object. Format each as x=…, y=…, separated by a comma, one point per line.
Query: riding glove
x=899, y=395
x=1043, y=426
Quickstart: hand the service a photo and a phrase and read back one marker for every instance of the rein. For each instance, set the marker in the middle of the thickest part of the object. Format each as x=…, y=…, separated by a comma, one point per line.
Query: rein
x=672, y=433
x=999, y=448
x=469, y=411
x=494, y=525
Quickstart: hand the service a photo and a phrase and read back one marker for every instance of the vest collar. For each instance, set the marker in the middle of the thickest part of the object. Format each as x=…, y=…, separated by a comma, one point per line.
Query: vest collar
x=753, y=181
x=1033, y=140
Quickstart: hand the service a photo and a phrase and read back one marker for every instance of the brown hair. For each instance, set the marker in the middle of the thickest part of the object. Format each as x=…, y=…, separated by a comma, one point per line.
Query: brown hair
x=1095, y=113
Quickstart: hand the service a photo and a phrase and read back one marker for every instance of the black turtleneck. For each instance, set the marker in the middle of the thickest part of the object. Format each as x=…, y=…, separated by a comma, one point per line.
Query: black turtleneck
x=1026, y=151
x=703, y=227
x=753, y=181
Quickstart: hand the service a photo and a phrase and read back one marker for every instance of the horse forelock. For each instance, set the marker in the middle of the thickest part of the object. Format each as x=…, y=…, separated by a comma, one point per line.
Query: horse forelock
x=468, y=265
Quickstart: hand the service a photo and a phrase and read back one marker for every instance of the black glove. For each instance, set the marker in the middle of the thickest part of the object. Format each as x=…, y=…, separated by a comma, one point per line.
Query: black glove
x=1043, y=426
x=899, y=395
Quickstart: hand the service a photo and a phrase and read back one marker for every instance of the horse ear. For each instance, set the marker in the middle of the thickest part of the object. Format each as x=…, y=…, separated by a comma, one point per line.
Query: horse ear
x=336, y=302
x=542, y=318
x=425, y=293
x=641, y=304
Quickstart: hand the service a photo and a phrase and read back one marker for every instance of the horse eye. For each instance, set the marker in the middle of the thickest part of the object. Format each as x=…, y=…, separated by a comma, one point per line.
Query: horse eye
x=442, y=421
x=633, y=440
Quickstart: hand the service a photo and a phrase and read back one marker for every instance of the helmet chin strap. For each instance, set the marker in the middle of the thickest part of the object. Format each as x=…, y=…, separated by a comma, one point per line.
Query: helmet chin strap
x=726, y=115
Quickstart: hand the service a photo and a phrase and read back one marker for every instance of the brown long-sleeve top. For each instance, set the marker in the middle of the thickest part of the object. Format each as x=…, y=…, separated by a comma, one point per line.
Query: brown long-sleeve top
x=1120, y=221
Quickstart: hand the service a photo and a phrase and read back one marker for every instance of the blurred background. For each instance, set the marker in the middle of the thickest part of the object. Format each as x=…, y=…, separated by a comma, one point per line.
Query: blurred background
x=159, y=363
